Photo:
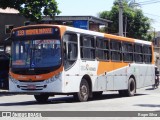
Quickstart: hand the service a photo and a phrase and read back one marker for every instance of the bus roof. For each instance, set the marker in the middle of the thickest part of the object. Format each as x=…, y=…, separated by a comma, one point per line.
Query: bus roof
x=78, y=30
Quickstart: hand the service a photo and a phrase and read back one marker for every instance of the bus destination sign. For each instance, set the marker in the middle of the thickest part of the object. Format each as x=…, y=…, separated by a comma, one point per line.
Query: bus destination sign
x=40, y=31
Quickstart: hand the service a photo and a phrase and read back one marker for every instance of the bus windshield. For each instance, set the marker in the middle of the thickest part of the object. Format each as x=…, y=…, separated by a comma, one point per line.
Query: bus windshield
x=36, y=53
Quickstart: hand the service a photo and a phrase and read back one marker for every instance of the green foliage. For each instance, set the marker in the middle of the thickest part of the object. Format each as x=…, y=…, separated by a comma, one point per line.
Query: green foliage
x=32, y=9
x=137, y=24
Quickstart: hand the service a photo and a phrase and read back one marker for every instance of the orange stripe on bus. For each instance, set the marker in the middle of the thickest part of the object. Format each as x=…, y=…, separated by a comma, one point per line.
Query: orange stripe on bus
x=109, y=66
x=63, y=30
x=36, y=77
x=114, y=37
x=153, y=62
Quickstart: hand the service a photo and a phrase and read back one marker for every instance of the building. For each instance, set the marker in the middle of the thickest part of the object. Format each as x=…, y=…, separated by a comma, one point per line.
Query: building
x=157, y=49
x=83, y=22
x=9, y=17
x=12, y=17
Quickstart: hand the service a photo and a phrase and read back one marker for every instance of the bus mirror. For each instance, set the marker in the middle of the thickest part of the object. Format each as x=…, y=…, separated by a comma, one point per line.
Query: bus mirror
x=8, y=29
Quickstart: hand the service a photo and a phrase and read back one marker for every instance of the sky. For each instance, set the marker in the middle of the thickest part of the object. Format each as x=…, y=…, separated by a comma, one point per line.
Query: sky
x=93, y=7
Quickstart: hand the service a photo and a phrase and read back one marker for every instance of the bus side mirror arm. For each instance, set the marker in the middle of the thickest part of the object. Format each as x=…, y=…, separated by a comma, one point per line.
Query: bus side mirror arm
x=65, y=50
x=7, y=39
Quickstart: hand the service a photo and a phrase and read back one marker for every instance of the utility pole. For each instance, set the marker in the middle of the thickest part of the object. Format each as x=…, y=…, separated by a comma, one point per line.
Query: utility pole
x=125, y=33
x=120, y=18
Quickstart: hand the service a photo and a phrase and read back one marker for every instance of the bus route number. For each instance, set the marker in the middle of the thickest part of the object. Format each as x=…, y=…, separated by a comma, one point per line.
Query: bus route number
x=20, y=33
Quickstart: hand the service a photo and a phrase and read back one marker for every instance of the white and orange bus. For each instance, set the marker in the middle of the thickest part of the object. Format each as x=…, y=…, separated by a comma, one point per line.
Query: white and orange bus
x=53, y=59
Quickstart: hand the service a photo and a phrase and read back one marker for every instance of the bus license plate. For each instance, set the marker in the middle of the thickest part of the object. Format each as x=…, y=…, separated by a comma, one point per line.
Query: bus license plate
x=31, y=87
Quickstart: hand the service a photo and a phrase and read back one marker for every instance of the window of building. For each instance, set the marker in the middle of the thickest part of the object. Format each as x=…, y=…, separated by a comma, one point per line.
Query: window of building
x=87, y=44
x=102, y=49
x=116, y=52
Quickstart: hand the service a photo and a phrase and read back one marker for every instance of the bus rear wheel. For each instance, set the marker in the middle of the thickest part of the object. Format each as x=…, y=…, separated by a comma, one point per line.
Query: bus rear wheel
x=42, y=98
x=83, y=93
x=131, y=89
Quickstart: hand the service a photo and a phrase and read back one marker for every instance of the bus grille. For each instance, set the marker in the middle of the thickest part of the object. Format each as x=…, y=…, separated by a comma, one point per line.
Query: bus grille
x=31, y=87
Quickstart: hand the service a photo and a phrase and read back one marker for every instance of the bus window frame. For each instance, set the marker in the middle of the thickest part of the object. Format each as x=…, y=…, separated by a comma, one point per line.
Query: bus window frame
x=85, y=47
x=127, y=52
x=103, y=49
x=137, y=53
x=147, y=54
x=118, y=51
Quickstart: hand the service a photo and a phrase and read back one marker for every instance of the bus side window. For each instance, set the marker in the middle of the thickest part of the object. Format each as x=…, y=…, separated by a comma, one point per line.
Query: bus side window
x=138, y=53
x=147, y=52
x=127, y=49
x=87, y=44
x=115, y=49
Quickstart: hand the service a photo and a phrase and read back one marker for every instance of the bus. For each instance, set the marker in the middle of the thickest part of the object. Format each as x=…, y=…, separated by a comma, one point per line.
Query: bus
x=48, y=60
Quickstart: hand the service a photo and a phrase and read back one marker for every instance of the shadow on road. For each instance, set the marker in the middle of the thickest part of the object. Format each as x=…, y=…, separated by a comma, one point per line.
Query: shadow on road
x=147, y=105
x=66, y=99
x=151, y=88
x=25, y=103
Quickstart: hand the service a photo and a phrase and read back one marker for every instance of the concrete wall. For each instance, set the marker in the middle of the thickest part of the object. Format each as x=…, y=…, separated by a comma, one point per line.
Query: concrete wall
x=9, y=19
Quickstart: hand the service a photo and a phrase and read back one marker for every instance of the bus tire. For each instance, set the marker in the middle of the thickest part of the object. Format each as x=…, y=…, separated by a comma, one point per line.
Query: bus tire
x=42, y=98
x=131, y=88
x=83, y=94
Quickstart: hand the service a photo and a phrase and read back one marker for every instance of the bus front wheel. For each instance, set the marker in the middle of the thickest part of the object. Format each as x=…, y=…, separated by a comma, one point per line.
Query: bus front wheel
x=83, y=93
x=42, y=98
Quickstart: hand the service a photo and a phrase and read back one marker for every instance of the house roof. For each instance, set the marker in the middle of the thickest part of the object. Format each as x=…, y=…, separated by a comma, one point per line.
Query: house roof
x=71, y=18
x=9, y=10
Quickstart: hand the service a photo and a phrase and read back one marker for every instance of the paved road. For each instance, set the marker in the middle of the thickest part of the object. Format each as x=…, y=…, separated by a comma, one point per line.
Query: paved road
x=146, y=99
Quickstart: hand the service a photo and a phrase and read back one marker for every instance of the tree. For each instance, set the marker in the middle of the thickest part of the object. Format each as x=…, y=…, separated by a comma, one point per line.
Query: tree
x=137, y=25
x=32, y=9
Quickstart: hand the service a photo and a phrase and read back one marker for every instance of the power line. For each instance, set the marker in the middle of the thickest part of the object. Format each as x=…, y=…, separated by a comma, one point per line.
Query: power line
x=151, y=2
x=152, y=14
x=148, y=1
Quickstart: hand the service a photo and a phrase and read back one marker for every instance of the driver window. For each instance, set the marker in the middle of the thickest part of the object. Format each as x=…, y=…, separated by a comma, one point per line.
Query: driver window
x=70, y=49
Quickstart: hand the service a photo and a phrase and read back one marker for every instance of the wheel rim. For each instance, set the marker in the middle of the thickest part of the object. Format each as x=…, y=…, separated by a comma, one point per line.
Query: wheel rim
x=84, y=92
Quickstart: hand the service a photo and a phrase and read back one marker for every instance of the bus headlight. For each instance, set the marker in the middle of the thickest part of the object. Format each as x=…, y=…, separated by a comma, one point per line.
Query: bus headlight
x=57, y=76
x=51, y=80
x=13, y=80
